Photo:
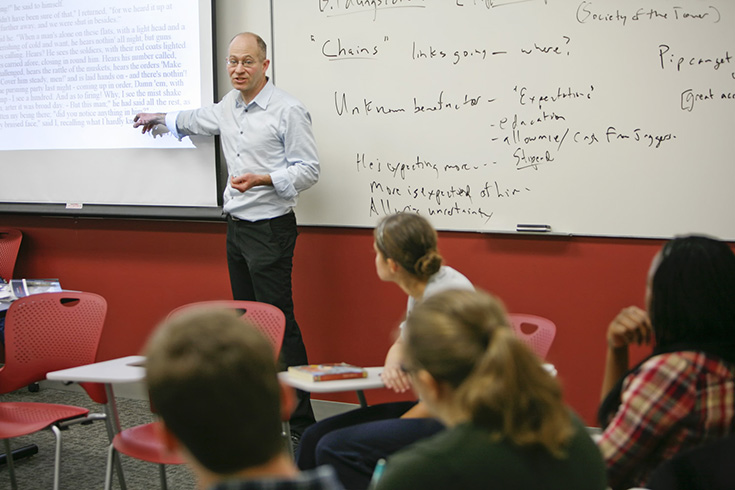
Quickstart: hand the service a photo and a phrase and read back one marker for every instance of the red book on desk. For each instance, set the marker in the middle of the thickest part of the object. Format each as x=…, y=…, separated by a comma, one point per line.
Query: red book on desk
x=327, y=372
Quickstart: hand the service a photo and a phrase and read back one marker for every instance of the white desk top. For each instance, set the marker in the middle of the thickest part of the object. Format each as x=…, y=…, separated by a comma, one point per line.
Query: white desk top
x=372, y=381
x=129, y=370
x=121, y=370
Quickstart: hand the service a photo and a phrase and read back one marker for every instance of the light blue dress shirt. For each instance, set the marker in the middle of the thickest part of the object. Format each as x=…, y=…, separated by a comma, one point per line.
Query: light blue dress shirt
x=271, y=135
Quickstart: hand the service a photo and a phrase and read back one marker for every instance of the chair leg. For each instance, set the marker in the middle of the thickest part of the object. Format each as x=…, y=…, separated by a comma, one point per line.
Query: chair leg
x=112, y=421
x=57, y=456
x=116, y=457
x=108, y=467
x=11, y=466
x=162, y=473
x=286, y=428
x=117, y=460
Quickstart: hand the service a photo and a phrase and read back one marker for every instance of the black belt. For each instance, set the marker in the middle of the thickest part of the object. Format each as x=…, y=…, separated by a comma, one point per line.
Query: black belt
x=235, y=218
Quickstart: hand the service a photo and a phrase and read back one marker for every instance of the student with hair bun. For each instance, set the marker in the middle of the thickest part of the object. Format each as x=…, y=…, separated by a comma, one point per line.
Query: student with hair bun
x=507, y=426
x=405, y=253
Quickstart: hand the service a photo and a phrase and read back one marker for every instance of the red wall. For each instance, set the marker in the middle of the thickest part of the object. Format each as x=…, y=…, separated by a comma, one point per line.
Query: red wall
x=146, y=268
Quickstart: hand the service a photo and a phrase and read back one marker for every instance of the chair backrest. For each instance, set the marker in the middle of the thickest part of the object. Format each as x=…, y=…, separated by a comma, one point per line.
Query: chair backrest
x=9, y=246
x=50, y=331
x=269, y=319
x=541, y=335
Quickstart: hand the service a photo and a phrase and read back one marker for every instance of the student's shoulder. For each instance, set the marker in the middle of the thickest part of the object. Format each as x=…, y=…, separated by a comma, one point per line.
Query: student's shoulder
x=428, y=464
x=679, y=365
x=465, y=457
x=450, y=278
x=420, y=466
x=674, y=373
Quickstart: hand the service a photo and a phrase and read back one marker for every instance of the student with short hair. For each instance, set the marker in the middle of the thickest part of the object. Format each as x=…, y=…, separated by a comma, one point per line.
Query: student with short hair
x=507, y=425
x=212, y=379
x=683, y=394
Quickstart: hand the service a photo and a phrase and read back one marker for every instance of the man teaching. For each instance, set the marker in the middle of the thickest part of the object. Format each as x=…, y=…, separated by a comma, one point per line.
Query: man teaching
x=271, y=157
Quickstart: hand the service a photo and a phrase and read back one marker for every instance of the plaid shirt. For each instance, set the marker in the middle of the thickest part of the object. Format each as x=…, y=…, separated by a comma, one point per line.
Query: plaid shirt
x=674, y=401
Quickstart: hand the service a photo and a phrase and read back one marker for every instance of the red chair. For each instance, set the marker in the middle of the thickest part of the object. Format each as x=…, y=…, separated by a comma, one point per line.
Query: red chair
x=142, y=441
x=541, y=335
x=269, y=319
x=47, y=332
x=9, y=246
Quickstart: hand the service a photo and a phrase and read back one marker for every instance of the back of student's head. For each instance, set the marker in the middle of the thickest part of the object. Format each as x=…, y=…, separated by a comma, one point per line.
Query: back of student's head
x=693, y=292
x=463, y=338
x=411, y=241
x=212, y=378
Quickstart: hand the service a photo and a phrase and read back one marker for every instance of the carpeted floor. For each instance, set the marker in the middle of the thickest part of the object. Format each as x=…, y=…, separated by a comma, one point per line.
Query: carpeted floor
x=84, y=451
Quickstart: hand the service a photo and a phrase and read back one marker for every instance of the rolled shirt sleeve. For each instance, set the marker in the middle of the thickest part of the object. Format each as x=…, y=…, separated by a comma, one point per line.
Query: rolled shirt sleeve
x=303, y=170
x=270, y=135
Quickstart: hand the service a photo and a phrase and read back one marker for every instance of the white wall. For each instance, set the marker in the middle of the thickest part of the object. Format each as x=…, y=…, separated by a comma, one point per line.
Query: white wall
x=233, y=16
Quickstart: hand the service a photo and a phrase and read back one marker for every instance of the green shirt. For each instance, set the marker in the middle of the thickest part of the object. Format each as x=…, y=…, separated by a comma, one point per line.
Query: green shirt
x=467, y=457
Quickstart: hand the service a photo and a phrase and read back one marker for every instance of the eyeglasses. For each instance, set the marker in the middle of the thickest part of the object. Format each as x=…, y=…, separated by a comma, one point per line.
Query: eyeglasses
x=246, y=63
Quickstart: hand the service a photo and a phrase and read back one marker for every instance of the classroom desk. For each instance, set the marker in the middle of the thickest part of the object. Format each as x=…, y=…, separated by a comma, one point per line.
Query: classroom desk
x=128, y=369
x=372, y=381
x=122, y=370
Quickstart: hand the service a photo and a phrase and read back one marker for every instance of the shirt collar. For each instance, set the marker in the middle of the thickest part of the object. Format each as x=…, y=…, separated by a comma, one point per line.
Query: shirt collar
x=262, y=99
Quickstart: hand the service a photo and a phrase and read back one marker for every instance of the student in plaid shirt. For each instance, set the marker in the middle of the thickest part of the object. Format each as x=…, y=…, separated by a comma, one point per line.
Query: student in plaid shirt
x=684, y=393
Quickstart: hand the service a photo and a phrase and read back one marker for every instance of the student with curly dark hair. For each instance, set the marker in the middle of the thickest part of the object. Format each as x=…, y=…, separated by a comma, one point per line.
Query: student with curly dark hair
x=683, y=394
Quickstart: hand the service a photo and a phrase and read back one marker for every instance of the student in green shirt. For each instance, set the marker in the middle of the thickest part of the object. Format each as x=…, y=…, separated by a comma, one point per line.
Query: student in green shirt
x=507, y=426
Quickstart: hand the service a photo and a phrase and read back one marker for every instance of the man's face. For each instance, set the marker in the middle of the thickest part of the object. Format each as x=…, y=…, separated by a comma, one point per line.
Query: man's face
x=248, y=75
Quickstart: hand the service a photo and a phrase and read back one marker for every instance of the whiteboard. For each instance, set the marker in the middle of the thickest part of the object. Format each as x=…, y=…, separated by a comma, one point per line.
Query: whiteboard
x=610, y=118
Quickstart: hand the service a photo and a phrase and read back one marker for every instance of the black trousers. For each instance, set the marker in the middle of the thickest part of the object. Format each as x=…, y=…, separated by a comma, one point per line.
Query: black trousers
x=354, y=441
x=260, y=261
